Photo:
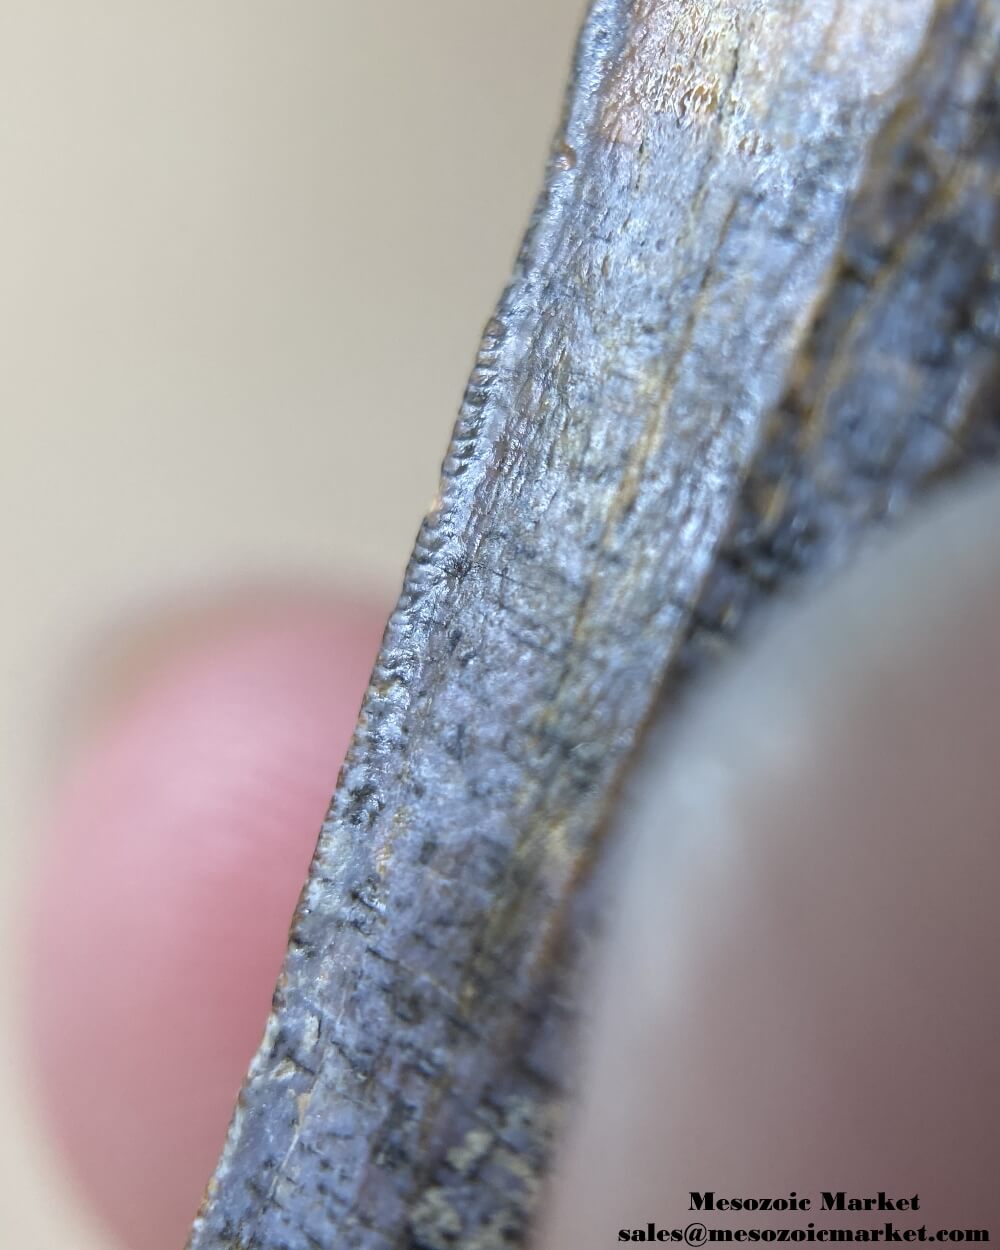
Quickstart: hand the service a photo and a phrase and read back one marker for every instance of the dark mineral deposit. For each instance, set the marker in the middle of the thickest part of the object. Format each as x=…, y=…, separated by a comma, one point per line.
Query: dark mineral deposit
x=757, y=311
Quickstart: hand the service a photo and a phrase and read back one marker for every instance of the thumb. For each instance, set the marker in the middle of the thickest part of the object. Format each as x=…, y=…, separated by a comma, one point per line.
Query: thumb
x=176, y=848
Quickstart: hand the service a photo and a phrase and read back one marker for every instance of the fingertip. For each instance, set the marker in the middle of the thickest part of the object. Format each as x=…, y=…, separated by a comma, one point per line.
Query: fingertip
x=798, y=992
x=177, y=845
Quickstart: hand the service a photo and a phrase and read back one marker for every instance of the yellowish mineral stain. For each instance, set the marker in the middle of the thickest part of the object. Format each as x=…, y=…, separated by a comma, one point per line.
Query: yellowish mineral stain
x=697, y=62
x=678, y=59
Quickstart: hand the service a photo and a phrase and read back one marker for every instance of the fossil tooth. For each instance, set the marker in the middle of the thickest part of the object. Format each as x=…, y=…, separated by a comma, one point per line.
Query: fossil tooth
x=756, y=312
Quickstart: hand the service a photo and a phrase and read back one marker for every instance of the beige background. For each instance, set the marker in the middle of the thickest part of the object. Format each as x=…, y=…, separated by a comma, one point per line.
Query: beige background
x=247, y=250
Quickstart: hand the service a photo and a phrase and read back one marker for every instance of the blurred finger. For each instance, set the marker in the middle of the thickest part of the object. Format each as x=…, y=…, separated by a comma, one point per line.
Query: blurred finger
x=801, y=993
x=177, y=846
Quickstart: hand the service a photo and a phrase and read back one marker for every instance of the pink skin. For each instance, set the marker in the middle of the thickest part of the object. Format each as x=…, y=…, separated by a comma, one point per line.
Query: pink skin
x=178, y=844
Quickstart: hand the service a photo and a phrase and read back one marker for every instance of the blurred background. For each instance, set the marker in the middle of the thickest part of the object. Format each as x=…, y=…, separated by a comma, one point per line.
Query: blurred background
x=247, y=252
